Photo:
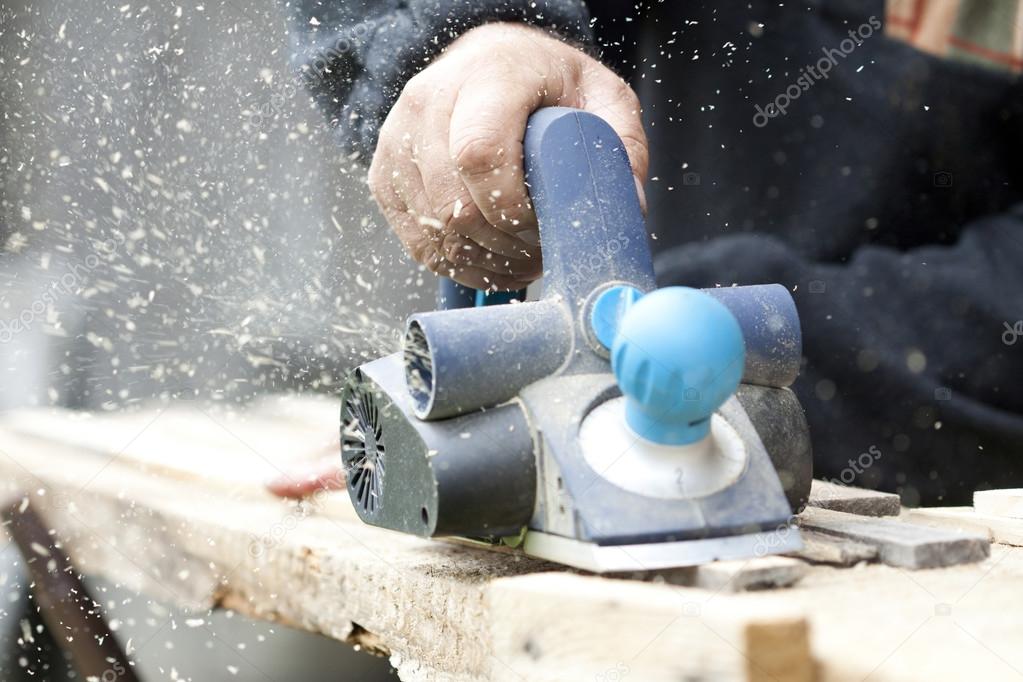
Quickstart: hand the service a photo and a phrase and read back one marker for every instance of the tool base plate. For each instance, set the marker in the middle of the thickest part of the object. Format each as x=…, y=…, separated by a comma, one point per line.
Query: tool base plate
x=656, y=556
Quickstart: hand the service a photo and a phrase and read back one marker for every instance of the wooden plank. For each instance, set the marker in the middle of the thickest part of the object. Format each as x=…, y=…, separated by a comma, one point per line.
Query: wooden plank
x=1004, y=502
x=443, y=612
x=899, y=543
x=740, y=575
x=1000, y=529
x=844, y=498
x=234, y=449
x=425, y=604
x=555, y=627
x=829, y=549
x=749, y=574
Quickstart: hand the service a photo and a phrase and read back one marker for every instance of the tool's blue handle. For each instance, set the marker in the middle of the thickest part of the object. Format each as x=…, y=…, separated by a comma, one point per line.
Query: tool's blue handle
x=591, y=226
x=451, y=295
x=582, y=188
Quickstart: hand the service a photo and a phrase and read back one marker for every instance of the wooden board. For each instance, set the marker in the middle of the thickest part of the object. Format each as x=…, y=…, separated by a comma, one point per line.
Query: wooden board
x=1005, y=502
x=898, y=543
x=186, y=522
x=844, y=498
x=1000, y=529
x=828, y=549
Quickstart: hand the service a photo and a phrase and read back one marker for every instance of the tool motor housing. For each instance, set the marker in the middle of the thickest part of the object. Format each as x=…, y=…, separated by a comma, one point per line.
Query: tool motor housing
x=473, y=429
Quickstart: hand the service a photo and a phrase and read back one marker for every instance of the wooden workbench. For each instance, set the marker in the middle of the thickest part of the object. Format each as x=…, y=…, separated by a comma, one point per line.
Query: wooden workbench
x=170, y=501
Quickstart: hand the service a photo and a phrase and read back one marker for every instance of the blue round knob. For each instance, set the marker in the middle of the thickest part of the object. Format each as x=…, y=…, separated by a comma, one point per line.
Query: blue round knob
x=678, y=355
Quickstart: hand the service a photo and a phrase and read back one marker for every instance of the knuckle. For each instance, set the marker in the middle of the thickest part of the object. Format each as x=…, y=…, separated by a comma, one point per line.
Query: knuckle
x=418, y=82
x=625, y=94
x=414, y=101
x=420, y=249
x=458, y=211
x=637, y=151
x=434, y=263
x=572, y=71
x=565, y=71
x=442, y=266
x=475, y=152
x=453, y=247
x=415, y=96
x=506, y=64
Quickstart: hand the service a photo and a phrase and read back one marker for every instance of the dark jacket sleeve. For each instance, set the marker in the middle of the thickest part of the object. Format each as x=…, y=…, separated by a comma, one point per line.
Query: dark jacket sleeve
x=357, y=55
x=917, y=353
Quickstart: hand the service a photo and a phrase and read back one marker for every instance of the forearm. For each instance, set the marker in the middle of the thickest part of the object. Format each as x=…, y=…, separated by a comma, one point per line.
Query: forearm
x=357, y=56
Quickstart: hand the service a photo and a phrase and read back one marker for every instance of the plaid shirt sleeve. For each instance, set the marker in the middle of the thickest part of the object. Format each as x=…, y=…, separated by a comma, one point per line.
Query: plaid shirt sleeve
x=988, y=33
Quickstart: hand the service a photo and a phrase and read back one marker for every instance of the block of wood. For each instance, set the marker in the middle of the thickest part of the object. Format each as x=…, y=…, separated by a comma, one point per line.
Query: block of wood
x=899, y=543
x=832, y=549
x=749, y=574
x=844, y=498
x=169, y=501
x=1000, y=529
x=1004, y=502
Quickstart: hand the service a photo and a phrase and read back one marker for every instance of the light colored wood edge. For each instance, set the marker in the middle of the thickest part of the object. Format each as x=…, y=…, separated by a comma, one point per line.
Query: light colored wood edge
x=1006, y=502
x=999, y=529
x=557, y=626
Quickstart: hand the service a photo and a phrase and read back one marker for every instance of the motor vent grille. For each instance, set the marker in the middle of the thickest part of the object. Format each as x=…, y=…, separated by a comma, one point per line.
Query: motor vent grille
x=362, y=447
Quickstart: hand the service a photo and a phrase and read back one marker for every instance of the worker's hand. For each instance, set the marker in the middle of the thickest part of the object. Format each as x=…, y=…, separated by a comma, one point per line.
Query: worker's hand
x=448, y=172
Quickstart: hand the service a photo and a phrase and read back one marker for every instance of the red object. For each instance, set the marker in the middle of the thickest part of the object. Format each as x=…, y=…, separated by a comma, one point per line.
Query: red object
x=322, y=474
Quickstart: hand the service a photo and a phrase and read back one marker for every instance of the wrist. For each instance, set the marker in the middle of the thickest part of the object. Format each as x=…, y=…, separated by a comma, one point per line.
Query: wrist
x=497, y=34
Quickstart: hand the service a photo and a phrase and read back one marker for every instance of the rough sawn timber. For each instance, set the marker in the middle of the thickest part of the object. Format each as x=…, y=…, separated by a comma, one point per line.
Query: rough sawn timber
x=860, y=501
x=899, y=543
x=1007, y=502
x=170, y=503
x=441, y=611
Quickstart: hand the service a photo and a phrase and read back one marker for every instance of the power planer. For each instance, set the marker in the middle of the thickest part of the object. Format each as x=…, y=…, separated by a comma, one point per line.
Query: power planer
x=608, y=425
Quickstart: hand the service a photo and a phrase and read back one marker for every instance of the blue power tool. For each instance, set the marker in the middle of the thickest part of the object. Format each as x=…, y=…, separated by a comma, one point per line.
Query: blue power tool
x=609, y=425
